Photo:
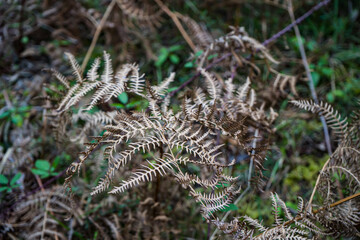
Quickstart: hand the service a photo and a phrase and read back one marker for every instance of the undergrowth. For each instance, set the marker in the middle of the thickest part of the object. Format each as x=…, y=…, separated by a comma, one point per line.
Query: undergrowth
x=185, y=120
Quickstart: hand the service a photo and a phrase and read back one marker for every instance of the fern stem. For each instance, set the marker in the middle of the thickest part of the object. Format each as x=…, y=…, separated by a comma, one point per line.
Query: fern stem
x=97, y=34
x=338, y=202
x=175, y=19
x=317, y=182
x=307, y=69
x=299, y=218
x=256, y=135
x=45, y=218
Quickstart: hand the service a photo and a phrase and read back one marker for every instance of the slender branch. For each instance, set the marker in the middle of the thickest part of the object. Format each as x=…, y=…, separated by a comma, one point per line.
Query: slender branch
x=338, y=202
x=177, y=23
x=97, y=34
x=297, y=21
x=313, y=94
x=256, y=135
x=318, y=181
x=45, y=218
x=308, y=74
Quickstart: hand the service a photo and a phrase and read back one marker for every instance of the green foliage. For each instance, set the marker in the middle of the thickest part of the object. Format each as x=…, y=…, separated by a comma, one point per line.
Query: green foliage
x=231, y=207
x=168, y=54
x=44, y=169
x=8, y=186
x=16, y=115
x=192, y=64
x=306, y=173
x=123, y=97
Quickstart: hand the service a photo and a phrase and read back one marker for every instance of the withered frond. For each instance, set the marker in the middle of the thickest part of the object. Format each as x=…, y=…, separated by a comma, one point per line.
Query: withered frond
x=333, y=118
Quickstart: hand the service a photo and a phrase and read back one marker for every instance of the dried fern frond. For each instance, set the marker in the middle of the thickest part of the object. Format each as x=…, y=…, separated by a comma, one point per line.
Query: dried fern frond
x=299, y=226
x=145, y=174
x=106, y=86
x=332, y=117
x=140, y=12
x=36, y=217
x=237, y=40
x=201, y=37
x=281, y=80
x=176, y=140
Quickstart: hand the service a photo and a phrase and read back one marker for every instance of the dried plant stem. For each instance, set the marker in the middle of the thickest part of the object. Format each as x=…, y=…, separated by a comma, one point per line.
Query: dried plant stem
x=299, y=218
x=308, y=74
x=256, y=135
x=298, y=20
x=191, y=188
x=175, y=19
x=266, y=42
x=317, y=182
x=39, y=182
x=97, y=34
x=45, y=219
x=5, y=158
x=338, y=202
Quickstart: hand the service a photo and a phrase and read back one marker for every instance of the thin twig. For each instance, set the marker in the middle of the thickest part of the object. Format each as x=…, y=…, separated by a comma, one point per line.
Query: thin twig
x=97, y=34
x=5, y=158
x=256, y=135
x=177, y=23
x=308, y=74
x=317, y=182
x=45, y=218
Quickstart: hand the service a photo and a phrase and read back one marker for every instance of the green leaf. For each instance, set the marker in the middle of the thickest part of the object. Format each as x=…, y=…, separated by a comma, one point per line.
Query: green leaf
x=164, y=53
x=3, y=179
x=189, y=65
x=311, y=45
x=43, y=165
x=41, y=173
x=316, y=78
x=4, y=114
x=133, y=104
x=339, y=93
x=17, y=119
x=25, y=40
x=330, y=97
x=23, y=109
x=327, y=71
x=198, y=53
x=231, y=207
x=153, y=162
x=172, y=89
x=174, y=59
x=15, y=178
x=175, y=48
x=117, y=105
x=3, y=189
x=123, y=97
x=56, y=161
x=212, y=56
x=67, y=157
x=291, y=205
